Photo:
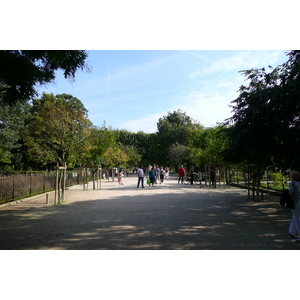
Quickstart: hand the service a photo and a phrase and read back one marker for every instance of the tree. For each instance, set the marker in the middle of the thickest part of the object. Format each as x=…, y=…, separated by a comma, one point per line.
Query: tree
x=115, y=157
x=134, y=157
x=178, y=153
x=22, y=70
x=139, y=140
x=58, y=130
x=100, y=140
x=214, y=145
x=175, y=128
x=12, y=123
x=266, y=123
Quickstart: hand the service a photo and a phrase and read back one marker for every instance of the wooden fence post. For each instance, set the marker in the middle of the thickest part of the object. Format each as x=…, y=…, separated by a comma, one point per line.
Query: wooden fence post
x=56, y=184
x=30, y=185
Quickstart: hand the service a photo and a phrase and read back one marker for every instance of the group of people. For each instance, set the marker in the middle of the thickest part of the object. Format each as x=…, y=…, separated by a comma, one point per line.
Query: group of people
x=154, y=174
x=200, y=176
x=157, y=174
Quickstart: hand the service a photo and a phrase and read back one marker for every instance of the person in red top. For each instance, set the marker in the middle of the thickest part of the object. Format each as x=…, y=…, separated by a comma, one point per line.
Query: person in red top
x=181, y=174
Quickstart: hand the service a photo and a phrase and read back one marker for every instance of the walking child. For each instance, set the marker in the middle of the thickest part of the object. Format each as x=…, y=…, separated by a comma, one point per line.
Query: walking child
x=120, y=179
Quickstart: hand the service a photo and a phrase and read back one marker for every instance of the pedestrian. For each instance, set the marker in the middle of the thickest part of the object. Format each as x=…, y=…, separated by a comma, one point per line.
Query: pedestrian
x=140, y=174
x=120, y=179
x=162, y=174
x=149, y=168
x=181, y=174
x=152, y=175
x=213, y=178
x=167, y=173
x=157, y=171
x=294, y=191
x=106, y=175
x=200, y=175
x=192, y=175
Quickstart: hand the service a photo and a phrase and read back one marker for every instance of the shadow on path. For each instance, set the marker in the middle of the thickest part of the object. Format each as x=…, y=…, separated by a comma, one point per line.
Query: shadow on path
x=167, y=217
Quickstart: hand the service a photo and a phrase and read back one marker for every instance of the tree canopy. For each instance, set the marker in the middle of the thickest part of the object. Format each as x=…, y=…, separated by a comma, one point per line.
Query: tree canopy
x=266, y=118
x=12, y=123
x=22, y=70
x=58, y=129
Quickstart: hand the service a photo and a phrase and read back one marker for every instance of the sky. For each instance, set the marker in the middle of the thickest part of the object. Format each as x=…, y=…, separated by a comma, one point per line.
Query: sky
x=132, y=89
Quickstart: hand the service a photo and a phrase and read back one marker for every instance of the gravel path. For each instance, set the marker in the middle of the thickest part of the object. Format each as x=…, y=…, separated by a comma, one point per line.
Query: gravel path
x=167, y=216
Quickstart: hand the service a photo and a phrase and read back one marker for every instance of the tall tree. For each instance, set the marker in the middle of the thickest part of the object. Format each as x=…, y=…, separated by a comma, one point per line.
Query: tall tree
x=100, y=139
x=252, y=136
x=178, y=153
x=22, y=70
x=139, y=146
x=173, y=130
x=115, y=157
x=266, y=123
x=58, y=130
x=134, y=158
x=12, y=124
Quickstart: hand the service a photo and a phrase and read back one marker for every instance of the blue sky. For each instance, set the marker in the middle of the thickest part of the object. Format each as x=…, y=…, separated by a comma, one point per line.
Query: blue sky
x=141, y=68
x=132, y=89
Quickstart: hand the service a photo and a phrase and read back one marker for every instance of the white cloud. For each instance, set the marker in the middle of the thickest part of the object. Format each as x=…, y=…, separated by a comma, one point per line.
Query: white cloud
x=241, y=61
x=147, y=124
x=135, y=71
x=209, y=106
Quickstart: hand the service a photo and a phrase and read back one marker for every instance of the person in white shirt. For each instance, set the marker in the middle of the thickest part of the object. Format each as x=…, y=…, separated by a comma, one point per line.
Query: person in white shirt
x=140, y=173
x=162, y=174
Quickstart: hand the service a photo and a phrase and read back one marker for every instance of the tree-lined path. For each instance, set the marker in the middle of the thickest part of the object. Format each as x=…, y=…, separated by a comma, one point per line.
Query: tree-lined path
x=167, y=216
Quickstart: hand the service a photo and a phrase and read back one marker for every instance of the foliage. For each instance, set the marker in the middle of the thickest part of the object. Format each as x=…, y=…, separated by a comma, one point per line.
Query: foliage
x=215, y=143
x=174, y=129
x=12, y=123
x=139, y=140
x=100, y=140
x=115, y=157
x=134, y=157
x=179, y=140
x=58, y=130
x=21, y=71
x=266, y=119
x=178, y=153
x=5, y=159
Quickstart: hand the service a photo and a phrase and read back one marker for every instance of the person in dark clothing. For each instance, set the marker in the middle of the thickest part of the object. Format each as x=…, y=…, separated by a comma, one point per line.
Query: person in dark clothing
x=213, y=178
x=192, y=175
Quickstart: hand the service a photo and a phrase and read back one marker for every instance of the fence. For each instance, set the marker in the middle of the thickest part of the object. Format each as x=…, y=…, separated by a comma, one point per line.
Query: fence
x=270, y=180
x=18, y=186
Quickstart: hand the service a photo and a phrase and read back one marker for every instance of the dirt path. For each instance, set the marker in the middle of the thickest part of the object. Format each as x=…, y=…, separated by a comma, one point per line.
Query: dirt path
x=167, y=216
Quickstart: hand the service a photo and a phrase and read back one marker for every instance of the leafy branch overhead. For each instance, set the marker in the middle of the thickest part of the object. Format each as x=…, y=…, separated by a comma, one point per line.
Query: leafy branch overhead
x=22, y=70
